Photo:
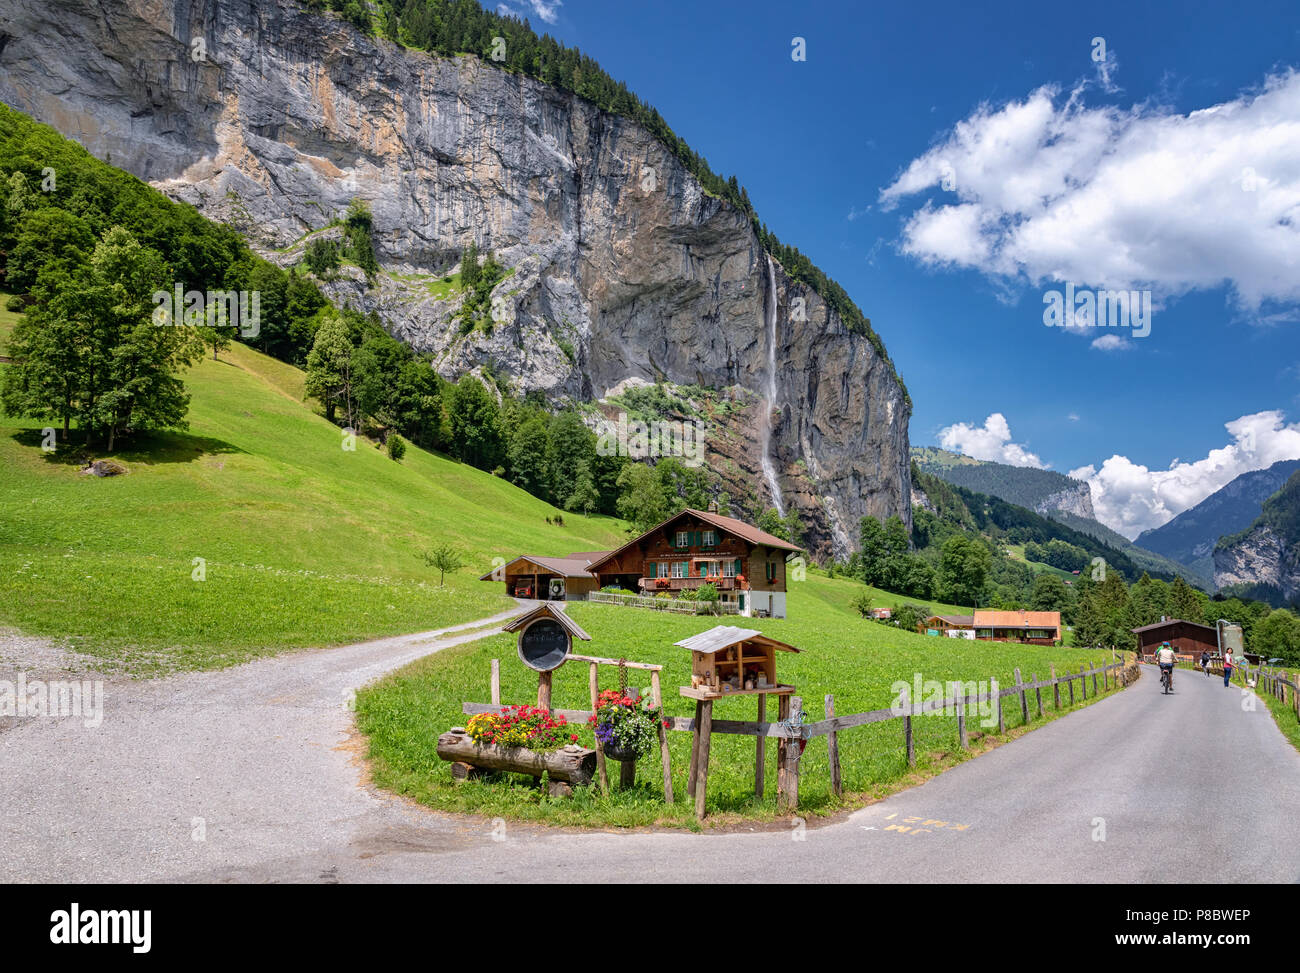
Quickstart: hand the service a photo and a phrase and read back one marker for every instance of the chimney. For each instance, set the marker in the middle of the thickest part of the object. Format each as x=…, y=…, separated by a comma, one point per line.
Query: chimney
x=713, y=506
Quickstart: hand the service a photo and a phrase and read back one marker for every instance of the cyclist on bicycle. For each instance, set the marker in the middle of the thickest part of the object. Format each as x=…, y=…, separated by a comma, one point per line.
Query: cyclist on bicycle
x=1165, y=658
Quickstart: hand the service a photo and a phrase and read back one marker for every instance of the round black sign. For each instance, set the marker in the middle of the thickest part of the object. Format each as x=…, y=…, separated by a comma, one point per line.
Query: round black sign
x=544, y=644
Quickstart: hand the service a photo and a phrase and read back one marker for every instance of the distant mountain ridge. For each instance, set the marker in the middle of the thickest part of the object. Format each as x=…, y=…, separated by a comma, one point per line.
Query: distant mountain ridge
x=1041, y=491
x=1054, y=495
x=1190, y=537
x=1264, y=559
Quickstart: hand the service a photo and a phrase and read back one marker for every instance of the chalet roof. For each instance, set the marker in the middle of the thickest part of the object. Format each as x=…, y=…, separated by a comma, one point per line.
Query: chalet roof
x=1017, y=619
x=967, y=620
x=547, y=609
x=1176, y=621
x=731, y=525
x=570, y=566
x=725, y=636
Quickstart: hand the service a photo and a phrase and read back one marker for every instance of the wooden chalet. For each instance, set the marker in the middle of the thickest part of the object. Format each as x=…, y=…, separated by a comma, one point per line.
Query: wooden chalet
x=1035, y=628
x=695, y=547
x=953, y=626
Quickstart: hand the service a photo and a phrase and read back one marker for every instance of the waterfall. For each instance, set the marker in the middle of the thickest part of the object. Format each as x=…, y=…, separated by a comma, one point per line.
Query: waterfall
x=769, y=470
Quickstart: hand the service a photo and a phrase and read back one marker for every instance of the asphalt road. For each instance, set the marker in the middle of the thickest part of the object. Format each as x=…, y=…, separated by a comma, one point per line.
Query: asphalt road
x=253, y=774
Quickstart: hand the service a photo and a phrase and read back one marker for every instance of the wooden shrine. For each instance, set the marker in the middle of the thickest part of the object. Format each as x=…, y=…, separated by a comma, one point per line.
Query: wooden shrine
x=731, y=661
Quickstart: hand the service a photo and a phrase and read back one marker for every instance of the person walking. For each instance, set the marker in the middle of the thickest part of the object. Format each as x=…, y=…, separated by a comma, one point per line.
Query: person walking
x=1205, y=661
x=1227, y=667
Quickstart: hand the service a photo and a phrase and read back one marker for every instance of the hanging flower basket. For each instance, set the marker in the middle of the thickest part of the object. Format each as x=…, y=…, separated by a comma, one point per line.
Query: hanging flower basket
x=625, y=726
x=615, y=752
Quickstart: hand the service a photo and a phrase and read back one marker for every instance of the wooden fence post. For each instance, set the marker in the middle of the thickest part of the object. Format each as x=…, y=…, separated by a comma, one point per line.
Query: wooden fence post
x=544, y=690
x=704, y=733
x=695, y=749
x=1002, y=720
x=782, y=745
x=1069, y=684
x=760, y=754
x=593, y=684
x=833, y=750
x=962, y=739
x=1093, y=669
x=1024, y=698
x=1038, y=694
x=908, y=740
x=1083, y=682
x=1056, y=688
x=658, y=702
x=787, y=793
x=496, y=682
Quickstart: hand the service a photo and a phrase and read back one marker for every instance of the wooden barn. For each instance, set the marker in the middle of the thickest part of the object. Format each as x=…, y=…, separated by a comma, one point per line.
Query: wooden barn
x=548, y=578
x=695, y=547
x=1188, y=639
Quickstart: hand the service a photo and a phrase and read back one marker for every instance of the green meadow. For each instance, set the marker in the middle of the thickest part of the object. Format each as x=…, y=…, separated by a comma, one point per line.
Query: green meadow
x=855, y=659
x=302, y=542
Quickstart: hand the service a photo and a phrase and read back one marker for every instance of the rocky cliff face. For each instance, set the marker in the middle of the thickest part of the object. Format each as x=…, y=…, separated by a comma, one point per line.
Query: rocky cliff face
x=272, y=119
x=1261, y=557
x=1075, y=500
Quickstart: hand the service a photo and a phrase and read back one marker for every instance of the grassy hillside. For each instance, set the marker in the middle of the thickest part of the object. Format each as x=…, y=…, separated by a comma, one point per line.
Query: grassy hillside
x=855, y=659
x=305, y=543
x=1156, y=565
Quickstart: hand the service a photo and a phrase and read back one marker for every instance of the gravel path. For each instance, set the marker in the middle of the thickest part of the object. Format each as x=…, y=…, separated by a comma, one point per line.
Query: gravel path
x=1192, y=787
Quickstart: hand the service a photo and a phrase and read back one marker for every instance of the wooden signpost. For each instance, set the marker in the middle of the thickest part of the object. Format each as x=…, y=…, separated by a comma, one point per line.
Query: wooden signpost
x=546, y=637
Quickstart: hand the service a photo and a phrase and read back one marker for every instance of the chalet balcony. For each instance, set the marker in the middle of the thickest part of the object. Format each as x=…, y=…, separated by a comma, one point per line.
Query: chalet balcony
x=682, y=584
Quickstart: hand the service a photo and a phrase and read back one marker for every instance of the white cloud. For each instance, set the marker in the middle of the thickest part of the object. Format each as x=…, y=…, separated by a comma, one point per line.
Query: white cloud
x=1131, y=498
x=992, y=441
x=1049, y=189
x=1111, y=342
x=547, y=10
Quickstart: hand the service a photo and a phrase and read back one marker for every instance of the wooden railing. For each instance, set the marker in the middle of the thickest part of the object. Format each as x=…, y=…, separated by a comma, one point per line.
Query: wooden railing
x=681, y=584
x=795, y=729
x=679, y=605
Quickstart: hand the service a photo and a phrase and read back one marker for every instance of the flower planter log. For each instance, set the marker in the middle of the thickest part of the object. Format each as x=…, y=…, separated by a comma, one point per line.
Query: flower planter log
x=573, y=765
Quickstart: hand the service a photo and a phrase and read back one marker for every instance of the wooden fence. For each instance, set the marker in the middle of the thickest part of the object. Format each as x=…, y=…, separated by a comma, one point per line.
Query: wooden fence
x=682, y=606
x=1276, y=683
x=795, y=729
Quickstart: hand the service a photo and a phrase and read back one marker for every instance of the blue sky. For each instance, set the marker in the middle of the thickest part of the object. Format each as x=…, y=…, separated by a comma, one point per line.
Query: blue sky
x=1195, y=209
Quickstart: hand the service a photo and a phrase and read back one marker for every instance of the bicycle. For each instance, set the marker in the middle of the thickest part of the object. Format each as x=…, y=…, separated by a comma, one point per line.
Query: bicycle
x=1167, y=680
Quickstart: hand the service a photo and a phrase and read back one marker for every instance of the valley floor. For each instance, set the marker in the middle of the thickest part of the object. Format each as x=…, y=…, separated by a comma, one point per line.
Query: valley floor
x=256, y=774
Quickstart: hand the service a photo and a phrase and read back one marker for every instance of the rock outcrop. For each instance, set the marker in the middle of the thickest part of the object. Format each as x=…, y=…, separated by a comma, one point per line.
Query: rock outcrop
x=1260, y=557
x=273, y=118
x=1075, y=500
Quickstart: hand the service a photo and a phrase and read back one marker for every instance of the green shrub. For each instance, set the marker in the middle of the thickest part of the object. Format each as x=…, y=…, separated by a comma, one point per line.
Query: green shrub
x=396, y=447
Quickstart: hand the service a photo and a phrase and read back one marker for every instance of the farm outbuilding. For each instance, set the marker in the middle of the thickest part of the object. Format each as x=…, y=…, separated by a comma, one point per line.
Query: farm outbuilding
x=548, y=578
x=1188, y=639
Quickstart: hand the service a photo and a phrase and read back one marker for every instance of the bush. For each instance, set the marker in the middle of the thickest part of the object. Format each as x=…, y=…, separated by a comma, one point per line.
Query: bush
x=862, y=603
x=908, y=616
x=15, y=303
x=396, y=447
